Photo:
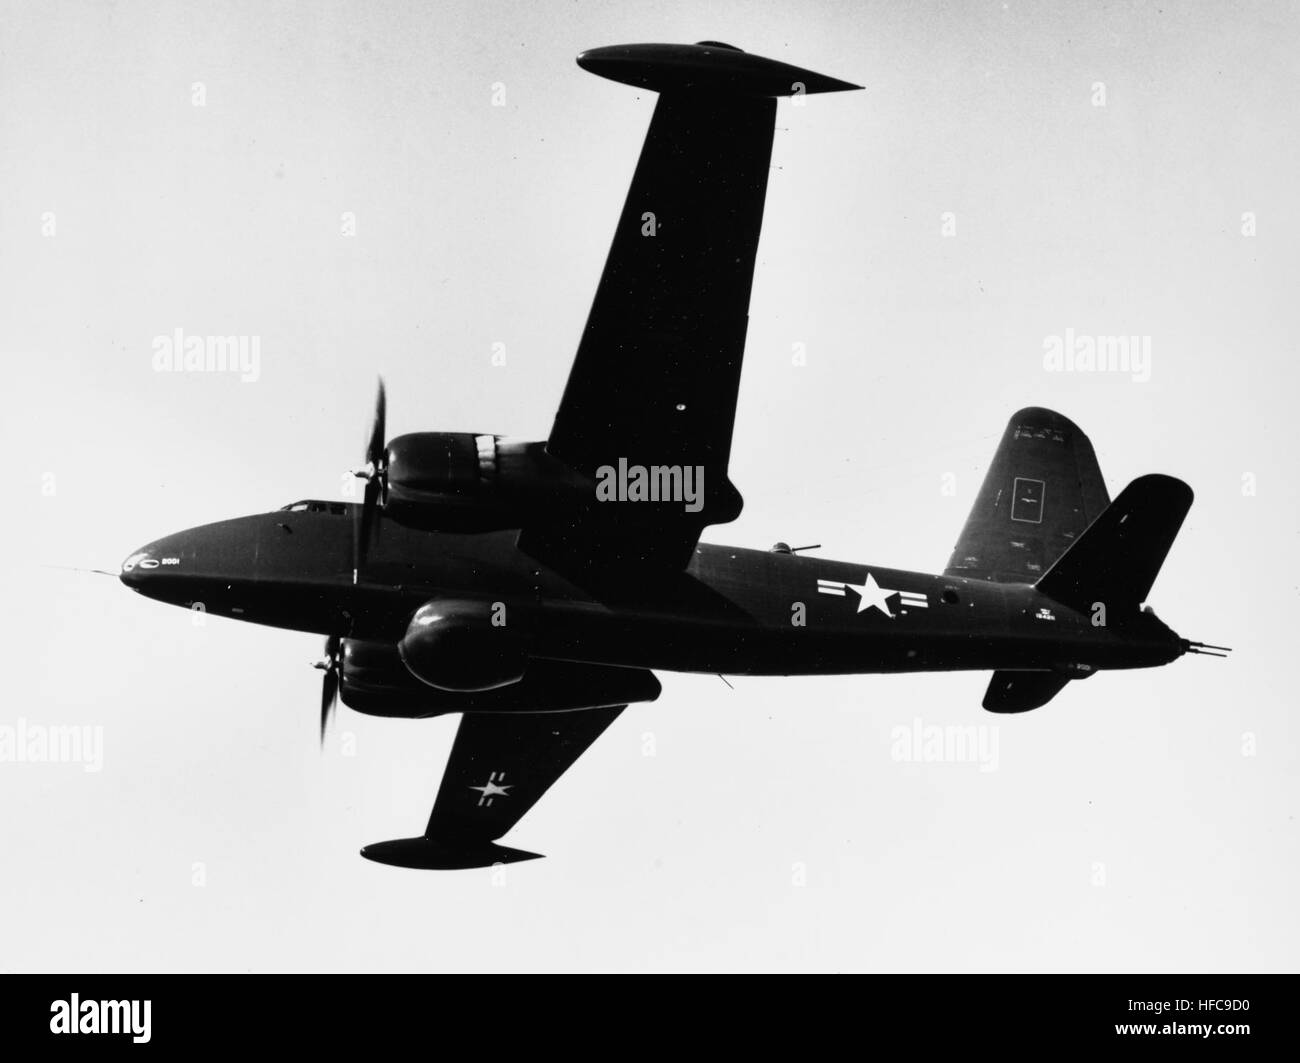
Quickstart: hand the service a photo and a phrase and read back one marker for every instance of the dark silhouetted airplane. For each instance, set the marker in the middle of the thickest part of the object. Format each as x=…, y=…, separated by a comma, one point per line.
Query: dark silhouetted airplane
x=532, y=587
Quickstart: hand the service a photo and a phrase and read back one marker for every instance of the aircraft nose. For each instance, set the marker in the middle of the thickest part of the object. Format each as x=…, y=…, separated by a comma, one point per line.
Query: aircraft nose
x=136, y=568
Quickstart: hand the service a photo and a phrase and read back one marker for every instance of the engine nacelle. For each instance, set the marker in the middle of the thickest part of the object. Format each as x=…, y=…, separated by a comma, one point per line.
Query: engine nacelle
x=463, y=482
x=454, y=644
x=442, y=472
x=467, y=483
x=373, y=680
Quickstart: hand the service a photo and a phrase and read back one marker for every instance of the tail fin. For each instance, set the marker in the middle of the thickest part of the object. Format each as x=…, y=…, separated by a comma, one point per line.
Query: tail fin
x=1042, y=490
x=1116, y=560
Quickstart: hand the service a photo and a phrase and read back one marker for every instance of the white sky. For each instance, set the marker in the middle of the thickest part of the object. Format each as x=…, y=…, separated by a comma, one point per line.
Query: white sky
x=479, y=224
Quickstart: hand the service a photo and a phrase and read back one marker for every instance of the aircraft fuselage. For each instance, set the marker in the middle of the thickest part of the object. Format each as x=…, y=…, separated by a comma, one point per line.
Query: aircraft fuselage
x=732, y=610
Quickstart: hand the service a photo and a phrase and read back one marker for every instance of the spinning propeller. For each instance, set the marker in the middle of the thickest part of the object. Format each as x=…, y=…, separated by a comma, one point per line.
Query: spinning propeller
x=329, y=694
x=375, y=473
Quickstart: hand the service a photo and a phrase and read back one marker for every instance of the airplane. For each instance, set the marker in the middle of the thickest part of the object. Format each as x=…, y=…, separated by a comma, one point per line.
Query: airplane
x=534, y=587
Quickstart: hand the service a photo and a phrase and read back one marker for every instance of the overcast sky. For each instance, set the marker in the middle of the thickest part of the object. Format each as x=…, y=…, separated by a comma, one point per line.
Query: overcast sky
x=1121, y=169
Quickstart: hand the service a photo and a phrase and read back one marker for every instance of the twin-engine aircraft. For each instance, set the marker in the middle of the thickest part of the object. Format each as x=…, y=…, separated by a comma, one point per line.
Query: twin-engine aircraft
x=533, y=587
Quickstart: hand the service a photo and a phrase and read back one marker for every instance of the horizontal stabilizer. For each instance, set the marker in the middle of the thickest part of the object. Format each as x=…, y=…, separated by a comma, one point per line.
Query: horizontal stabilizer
x=1022, y=691
x=1116, y=560
x=709, y=66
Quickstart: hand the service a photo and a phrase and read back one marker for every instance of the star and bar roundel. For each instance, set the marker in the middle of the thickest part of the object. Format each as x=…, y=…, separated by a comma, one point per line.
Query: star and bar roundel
x=871, y=595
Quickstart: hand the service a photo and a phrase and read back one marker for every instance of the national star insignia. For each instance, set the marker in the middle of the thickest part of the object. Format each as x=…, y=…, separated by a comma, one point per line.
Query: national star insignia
x=492, y=788
x=870, y=593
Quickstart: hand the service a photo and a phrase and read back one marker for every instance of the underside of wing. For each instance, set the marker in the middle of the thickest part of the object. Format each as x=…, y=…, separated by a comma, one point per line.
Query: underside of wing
x=500, y=766
x=658, y=368
x=651, y=400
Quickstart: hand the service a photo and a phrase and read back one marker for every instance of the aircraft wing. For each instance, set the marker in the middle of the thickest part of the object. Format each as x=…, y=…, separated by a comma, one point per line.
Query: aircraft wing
x=657, y=371
x=500, y=765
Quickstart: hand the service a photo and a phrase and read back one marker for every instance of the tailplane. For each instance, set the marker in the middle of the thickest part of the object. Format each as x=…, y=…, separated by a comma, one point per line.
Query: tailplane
x=1043, y=516
x=1022, y=691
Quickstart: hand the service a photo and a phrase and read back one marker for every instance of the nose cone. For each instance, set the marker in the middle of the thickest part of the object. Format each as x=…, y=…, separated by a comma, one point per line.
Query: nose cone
x=137, y=567
x=155, y=570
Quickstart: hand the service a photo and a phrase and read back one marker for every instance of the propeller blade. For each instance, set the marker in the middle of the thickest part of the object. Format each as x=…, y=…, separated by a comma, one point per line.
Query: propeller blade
x=328, y=696
x=375, y=448
x=375, y=477
x=362, y=526
x=358, y=532
x=330, y=684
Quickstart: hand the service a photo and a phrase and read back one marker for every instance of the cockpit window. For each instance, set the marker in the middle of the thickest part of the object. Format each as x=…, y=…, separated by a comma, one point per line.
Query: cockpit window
x=309, y=505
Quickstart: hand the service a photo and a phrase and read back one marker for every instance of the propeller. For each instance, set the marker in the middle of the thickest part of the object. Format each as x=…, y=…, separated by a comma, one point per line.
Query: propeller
x=329, y=694
x=375, y=473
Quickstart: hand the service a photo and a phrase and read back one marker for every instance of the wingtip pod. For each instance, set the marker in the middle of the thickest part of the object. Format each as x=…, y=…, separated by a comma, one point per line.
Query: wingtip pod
x=709, y=66
x=429, y=854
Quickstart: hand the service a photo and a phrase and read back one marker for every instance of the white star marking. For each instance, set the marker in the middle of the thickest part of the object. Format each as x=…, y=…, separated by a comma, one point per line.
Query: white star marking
x=492, y=788
x=870, y=593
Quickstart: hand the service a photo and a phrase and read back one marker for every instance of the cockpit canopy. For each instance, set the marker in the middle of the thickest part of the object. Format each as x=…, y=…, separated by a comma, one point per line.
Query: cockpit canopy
x=311, y=505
